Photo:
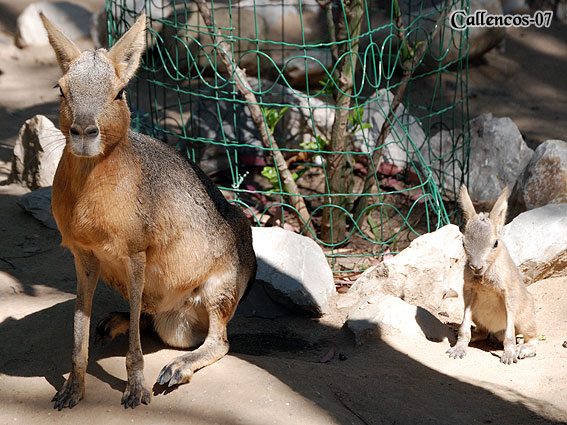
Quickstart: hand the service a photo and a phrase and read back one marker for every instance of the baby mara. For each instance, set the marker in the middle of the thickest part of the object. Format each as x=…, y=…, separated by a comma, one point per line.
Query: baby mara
x=496, y=299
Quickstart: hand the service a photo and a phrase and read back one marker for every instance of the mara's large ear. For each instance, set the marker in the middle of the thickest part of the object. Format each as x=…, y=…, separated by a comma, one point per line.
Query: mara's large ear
x=466, y=203
x=65, y=50
x=498, y=212
x=127, y=51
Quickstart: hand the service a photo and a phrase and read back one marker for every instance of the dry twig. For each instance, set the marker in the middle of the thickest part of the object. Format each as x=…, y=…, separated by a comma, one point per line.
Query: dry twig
x=370, y=181
x=243, y=86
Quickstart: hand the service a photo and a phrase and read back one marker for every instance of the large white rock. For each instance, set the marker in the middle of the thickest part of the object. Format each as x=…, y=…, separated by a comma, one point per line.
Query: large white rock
x=37, y=153
x=543, y=181
x=424, y=274
x=385, y=316
x=70, y=18
x=537, y=241
x=294, y=269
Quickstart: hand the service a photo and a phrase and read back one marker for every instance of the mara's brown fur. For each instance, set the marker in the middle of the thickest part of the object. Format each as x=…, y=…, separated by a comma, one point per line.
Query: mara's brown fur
x=496, y=299
x=146, y=220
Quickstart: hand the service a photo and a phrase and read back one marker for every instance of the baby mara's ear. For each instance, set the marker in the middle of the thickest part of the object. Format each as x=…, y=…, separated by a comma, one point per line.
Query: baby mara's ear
x=127, y=51
x=466, y=203
x=499, y=210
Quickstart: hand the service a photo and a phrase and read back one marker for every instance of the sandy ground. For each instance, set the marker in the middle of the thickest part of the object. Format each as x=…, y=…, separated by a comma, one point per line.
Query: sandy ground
x=272, y=374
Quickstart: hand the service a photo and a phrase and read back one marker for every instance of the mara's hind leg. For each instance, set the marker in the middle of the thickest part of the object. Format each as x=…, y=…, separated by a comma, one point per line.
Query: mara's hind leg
x=118, y=323
x=219, y=300
x=180, y=369
x=529, y=332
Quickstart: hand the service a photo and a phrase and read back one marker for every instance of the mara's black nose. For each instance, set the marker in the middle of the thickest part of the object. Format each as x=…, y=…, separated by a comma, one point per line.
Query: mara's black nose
x=90, y=131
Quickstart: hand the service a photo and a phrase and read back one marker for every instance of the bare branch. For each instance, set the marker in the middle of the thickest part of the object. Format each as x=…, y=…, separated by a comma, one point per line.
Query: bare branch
x=268, y=140
x=370, y=182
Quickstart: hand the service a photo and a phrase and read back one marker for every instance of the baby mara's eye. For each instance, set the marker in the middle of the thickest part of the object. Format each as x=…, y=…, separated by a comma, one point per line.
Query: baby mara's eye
x=495, y=244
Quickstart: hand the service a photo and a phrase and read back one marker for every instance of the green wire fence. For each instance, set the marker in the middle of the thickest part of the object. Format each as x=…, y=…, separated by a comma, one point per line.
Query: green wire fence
x=346, y=121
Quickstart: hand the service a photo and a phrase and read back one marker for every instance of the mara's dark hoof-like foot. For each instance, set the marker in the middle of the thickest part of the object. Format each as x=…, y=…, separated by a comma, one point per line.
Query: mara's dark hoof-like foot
x=176, y=372
x=135, y=394
x=69, y=395
x=116, y=323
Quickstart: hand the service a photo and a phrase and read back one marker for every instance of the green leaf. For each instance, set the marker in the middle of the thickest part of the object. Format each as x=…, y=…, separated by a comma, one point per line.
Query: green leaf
x=374, y=227
x=271, y=174
x=273, y=116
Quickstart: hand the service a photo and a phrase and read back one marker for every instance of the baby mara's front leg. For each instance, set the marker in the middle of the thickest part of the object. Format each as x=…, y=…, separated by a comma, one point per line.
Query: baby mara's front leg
x=510, y=354
x=459, y=350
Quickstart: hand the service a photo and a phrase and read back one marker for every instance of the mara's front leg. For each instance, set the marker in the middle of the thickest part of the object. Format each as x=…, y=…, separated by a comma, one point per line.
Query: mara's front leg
x=88, y=270
x=136, y=390
x=459, y=350
x=509, y=355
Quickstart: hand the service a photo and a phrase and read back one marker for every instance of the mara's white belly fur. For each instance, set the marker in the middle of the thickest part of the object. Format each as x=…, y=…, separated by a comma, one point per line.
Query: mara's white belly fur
x=488, y=310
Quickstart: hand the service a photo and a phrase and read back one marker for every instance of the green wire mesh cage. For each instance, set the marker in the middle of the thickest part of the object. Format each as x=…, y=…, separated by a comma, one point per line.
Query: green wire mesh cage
x=346, y=121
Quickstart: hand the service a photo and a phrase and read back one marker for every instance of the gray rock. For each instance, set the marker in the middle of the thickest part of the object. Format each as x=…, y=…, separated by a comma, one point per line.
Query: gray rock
x=498, y=155
x=295, y=66
x=38, y=204
x=445, y=48
x=212, y=118
x=445, y=157
x=385, y=316
x=70, y=18
x=543, y=181
x=257, y=303
x=537, y=241
x=400, y=146
x=514, y=6
x=561, y=11
x=37, y=153
x=480, y=39
x=425, y=274
x=248, y=20
x=294, y=269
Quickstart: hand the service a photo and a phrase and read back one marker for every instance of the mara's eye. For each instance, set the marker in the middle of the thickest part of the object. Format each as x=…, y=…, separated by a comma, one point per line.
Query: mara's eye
x=495, y=244
x=57, y=86
x=120, y=94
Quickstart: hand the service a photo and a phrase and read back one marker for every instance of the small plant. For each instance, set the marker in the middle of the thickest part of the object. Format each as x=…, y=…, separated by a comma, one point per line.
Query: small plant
x=320, y=144
x=273, y=116
x=355, y=120
x=271, y=174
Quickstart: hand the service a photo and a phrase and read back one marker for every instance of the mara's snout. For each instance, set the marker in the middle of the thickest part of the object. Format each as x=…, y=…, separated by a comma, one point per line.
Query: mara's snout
x=478, y=270
x=84, y=139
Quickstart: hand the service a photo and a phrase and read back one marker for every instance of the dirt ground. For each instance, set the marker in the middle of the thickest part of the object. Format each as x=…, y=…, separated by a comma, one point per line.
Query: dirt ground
x=273, y=373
